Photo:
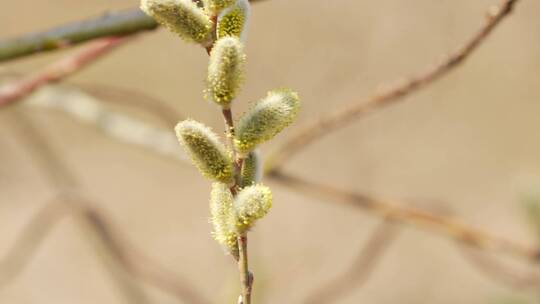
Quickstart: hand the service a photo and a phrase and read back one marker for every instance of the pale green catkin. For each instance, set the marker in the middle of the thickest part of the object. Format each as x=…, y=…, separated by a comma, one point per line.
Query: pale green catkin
x=215, y=6
x=251, y=169
x=223, y=218
x=269, y=116
x=206, y=151
x=251, y=204
x=225, y=70
x=233, y=20
x=183, y=17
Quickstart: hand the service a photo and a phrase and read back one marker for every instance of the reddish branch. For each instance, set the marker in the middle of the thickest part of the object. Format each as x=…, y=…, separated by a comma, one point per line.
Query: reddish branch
x=327, y=124
x=59, y=70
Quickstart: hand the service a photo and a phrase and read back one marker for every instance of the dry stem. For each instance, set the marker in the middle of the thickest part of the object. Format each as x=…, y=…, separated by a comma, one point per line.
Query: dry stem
x=396, y=211
x=358, y=273
x=58, y=71
x=334, y=121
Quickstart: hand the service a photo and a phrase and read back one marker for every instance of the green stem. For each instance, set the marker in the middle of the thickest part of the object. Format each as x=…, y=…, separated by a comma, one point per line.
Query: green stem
x=111, y=24
x=122, y=23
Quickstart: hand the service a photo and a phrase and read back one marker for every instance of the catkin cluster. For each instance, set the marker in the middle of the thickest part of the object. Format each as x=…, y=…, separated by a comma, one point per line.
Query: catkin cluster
x=237, y=198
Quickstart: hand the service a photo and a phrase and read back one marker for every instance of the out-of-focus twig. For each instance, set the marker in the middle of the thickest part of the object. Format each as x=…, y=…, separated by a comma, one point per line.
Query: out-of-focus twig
x=115, y=252
x=135, y=99
x=111, y=24
x=360, y=270
x=399, y=213
x=437, y=223
x=29, y=240
x=122, y=23
x=390, y=94
x=99, y=229
x=59, y=70
x=499, y=272
x=87, y=109
x=63, y=180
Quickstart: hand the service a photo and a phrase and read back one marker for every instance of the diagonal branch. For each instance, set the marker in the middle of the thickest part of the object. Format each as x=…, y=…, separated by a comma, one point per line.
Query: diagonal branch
x=57, y=71
x=126, y=258
x=111, y=24
x=122, y=23
x=446, y=226
x=334, y=121
x=359, y=272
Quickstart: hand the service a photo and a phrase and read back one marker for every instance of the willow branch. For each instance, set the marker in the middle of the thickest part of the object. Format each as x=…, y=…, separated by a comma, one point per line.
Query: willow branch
x=444, y=225
x=29, y=240
x=334, y=121
x=359, y=272
x=124, y=254
x=57, y=71
x=495, y=270
x=111, y=24
x=398, y=212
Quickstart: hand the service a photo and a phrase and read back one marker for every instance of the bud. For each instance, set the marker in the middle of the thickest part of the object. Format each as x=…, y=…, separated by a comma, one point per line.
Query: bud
x=183, y=17
x=225, y=70
x=223, y=217
x=251, y=169
x=251, y=204
x=269, y=116
x=206, y=151
x=233, y=20
x=215, y=6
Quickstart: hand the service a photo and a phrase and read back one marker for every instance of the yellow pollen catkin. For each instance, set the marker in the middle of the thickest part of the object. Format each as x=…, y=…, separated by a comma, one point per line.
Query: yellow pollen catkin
x=223, y=217
x=250, y=205
x=233, y=21
x=182, y=17
x=206, y=151
x=225, y=71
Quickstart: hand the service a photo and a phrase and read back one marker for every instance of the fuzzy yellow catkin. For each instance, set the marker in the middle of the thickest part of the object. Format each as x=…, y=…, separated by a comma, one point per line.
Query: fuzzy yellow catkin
x=266, y=119
x=233, y=20
x=215, y=6
x=225, y=71
x=208, y=154
x=182, y=17
x=223, y=217
x=251, y=169
x=251, y=204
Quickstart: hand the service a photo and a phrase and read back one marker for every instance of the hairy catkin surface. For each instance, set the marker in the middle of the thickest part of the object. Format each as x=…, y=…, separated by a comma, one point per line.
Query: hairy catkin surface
x=225, y=70
x=182, y=17
x=264, y=121
x=208, y=154
x=251, y=204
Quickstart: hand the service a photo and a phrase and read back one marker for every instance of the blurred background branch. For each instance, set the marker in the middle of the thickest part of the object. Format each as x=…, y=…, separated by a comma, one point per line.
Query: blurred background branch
x=59, y=70
x=123, y=23
x=357, y=273
x=388, y=94
x=132, y=131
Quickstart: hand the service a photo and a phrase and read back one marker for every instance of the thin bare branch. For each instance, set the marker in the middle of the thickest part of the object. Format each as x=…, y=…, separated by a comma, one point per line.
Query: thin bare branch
x=390, y=94
x=111, y=24
x=115, y=251
x=29, y=241
x=99, y=229
x=436, y=223
x=57, y=71
x=499, y=272
x=397, y=211
x=122, y=23
x=360, y=270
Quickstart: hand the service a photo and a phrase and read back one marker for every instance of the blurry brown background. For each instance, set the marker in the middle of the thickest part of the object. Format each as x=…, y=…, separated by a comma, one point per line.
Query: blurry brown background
x=469, y=143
